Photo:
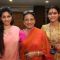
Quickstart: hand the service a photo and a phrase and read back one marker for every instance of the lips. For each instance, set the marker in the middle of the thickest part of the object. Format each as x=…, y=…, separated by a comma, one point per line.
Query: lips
x=29, y=24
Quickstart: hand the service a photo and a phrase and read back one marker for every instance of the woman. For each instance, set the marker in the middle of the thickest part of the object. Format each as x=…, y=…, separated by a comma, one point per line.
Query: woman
x=52, y=30
x=33, y=41
x=9, y=36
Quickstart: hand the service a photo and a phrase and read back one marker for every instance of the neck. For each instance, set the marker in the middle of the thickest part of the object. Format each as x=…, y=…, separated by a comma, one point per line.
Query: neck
x=7, y=27
x=27, y=30
x=54, y=23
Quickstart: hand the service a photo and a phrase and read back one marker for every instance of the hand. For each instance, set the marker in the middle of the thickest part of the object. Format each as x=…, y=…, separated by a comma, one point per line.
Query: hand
x=30, y=54
x=35, y=53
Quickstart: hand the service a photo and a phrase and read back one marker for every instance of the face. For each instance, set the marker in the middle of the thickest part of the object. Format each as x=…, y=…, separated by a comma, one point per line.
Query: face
x=6, y=18
x=53, y=15
x=29, y=21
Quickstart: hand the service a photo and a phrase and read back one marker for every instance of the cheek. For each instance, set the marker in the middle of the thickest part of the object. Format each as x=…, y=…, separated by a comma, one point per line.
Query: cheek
x=10, y=18
x=25, y=23
x=49, y=16
x=57, y=16
x=3, y=20
x=34, y=22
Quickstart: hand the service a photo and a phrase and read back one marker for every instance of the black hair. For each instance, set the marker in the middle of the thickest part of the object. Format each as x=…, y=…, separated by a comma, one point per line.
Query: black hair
x=2, y=47
x=54, y=7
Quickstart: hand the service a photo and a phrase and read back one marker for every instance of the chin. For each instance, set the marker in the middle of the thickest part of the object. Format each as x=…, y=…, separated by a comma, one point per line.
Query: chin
x=52, y=21
x=7, y=24
x=29, y=27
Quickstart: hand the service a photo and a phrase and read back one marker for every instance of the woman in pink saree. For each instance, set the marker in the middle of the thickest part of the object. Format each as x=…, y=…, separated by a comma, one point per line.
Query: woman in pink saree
x=9, y=36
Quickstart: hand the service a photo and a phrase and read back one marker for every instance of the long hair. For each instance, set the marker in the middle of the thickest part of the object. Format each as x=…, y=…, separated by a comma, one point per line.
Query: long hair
x=2, y=47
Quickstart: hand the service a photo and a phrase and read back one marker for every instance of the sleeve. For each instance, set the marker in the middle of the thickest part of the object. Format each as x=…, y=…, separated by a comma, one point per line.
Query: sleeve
x=21, y=51
x=22, y=35
x=22, y=48
x=43, y=27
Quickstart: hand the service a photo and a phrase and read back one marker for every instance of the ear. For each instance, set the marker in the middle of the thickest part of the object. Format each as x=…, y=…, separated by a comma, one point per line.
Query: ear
x=35, y=22
x=59, y=14
x=23, y=22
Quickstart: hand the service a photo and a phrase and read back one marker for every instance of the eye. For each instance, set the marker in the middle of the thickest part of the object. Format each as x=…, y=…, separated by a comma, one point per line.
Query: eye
x=50, y=13
x=54, y=12
x=25, y=19
x=8, y=16
x=32, y=19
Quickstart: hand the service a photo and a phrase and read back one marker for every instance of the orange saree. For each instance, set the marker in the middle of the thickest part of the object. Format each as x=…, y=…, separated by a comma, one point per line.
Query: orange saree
x=35, y=41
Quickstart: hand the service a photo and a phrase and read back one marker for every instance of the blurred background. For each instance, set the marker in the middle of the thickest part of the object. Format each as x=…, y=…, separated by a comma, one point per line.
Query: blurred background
x=38, y=6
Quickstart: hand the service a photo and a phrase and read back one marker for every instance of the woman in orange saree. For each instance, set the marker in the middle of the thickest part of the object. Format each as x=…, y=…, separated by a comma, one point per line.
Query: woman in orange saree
x=34, y=44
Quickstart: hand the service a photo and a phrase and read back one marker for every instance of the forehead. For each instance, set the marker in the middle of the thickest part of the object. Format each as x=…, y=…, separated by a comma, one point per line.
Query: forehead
x=28, y=15
x=6, y=13
x=53, y=10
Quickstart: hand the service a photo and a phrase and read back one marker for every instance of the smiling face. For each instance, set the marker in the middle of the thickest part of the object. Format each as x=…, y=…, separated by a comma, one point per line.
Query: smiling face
x=53, y=15
x=29, y=21
x=6, y=18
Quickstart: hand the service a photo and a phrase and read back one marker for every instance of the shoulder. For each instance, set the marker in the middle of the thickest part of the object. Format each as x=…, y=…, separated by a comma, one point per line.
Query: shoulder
x=15, y=27
x=39, y=30
x=41, y=33
x=46, y=25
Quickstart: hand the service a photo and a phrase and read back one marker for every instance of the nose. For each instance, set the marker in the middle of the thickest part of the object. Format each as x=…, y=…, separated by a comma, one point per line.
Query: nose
x=6, y=18
x=52, y=14
x=29, y=21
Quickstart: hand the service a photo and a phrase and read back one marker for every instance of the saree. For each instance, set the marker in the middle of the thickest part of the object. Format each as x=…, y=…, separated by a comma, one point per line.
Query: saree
x=53, y=35
x=35, y=41
x=11, y=38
